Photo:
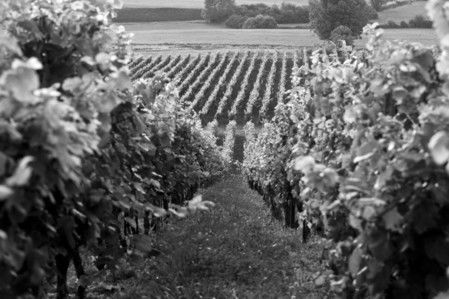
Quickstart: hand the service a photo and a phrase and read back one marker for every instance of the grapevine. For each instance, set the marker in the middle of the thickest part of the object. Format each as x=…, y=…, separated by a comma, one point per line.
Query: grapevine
x=240, y=96
x=268, y=88
x=254, y=95
x=201, y=95
x=219, y=85
x=231, y=88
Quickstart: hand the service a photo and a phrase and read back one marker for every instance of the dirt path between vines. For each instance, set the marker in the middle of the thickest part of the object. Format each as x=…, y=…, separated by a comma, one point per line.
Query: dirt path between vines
x=234, y=251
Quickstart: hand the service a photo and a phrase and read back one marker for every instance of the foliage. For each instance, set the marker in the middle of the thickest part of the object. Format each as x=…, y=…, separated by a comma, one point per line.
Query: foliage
x=342, y=33
x=235, y=21
x=217, y=11
x=326, y=15
x=228, y=142
x=51, y=120
x=286, y=13
x=81, y=148
x=377, y=4
x=367, y=151
x=403, y=24
x=420, y=21
x=260, y=22
x=163, y=14
x=372, y=13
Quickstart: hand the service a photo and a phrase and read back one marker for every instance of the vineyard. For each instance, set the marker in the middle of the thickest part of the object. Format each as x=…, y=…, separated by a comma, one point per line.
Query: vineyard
x=105, y=159
x=241, y=86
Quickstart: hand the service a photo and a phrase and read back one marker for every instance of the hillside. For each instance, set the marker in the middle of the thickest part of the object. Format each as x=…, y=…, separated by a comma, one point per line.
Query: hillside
x=199, y=3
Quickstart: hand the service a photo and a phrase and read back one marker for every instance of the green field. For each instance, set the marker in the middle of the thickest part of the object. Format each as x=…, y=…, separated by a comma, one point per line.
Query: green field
x=403, y=13
x=199, y=3
x=186, y=36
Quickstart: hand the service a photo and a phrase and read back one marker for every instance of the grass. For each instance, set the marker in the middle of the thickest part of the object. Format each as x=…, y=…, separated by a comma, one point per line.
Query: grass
x=214, y=35
x=200, y=3
x=234, y=251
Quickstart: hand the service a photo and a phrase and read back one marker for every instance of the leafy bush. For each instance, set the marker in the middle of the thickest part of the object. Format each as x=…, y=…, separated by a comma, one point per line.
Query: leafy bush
x=416, y=22
x=290, y=13
x=252, y=10
x=236, y=21
x=139, y=14
x=342, y=33
x=260, y=22
x=286, y=13
x=217, y=11
x=392, y=25
x=326, y=15
x=420, y=22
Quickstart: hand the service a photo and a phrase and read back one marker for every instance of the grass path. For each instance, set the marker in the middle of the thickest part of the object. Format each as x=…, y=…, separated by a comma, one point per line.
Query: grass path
x=234, y=251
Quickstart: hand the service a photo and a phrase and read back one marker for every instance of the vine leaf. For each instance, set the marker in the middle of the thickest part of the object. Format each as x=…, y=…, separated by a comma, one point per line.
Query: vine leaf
x=21, y=82
x=393, y=220
x=22, y=174
x=439, y=148
x=5, y=192
x=355, y=260
x=304, y=164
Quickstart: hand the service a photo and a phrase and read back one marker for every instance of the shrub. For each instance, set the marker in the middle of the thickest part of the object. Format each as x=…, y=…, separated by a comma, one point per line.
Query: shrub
x=342, y=33
x=260, y=22
x=326, y=15
x=253, y=10
x=420, y=22
x=286, y=13
x=216, y=11
x=139, y=14
x=403, y=24
x=391, y=24
x=236, y=21
x=291, y=13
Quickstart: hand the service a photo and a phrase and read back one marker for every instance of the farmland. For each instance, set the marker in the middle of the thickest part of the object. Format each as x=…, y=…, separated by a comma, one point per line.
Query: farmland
x=227, y=85
x=204, y=162
x=402, y=13
x=188, y=37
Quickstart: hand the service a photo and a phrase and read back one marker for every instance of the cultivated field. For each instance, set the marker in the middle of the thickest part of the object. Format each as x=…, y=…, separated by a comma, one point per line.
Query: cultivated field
x=181, y=37
x=231, y=85
x=403, y=13
x=199, y=3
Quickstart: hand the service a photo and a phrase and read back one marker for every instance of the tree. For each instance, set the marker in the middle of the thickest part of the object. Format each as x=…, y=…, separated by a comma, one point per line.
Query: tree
x=342, y=33
x=377, y=4
x=326, y=15
x=260, y=22
x=216, y=11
